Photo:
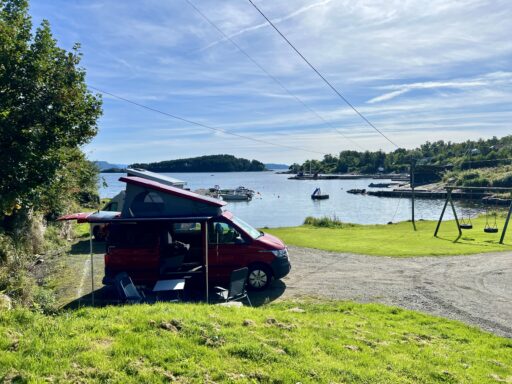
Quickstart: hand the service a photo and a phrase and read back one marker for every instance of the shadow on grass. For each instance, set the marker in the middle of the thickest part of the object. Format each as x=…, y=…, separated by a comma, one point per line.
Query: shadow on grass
x=83, y=247
x=107, y=295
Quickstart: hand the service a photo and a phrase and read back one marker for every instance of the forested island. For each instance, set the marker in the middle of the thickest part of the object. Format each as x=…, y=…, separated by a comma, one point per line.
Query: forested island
x=210, y=163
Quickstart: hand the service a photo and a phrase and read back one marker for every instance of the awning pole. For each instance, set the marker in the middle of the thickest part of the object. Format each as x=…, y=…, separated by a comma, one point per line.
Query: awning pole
x=92, y=263
x=206, y=258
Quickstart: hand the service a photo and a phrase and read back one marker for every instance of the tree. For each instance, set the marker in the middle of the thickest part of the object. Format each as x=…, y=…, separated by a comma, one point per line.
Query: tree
x=46, y=109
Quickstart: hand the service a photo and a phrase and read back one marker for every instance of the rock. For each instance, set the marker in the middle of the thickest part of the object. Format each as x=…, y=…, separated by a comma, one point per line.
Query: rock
x=177, y=324
x=352, y=347
x=5, y=302
x=236, y=304
x=248, y=323
x=168, y=326
x=296, y=310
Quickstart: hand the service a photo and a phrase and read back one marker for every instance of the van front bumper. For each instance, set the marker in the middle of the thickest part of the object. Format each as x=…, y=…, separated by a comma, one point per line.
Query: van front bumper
x=281, y=267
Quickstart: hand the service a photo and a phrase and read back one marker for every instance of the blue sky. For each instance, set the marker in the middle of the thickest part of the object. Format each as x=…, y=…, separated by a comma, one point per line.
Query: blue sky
x=418, y=70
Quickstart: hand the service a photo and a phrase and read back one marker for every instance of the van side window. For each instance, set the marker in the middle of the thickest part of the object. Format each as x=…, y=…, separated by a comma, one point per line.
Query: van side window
x=113, y=206
x=223, y=233
x=186, y=227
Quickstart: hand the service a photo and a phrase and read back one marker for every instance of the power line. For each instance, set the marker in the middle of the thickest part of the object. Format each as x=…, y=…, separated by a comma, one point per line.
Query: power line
x=323, y=78
x=276, y=80
x=204, y=125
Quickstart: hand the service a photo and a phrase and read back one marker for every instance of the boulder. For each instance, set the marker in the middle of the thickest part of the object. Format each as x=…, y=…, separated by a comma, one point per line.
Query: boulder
x=5, y=302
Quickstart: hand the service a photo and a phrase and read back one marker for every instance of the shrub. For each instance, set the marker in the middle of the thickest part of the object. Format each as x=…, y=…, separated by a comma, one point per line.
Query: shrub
x=326, y=222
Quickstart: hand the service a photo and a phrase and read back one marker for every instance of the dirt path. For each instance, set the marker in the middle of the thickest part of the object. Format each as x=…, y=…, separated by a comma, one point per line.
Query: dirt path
x=475, y=289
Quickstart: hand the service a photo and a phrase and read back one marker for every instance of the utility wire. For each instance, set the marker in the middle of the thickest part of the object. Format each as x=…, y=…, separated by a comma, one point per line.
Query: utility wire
x=323, y=78
x=204, y=125
x=275, y=79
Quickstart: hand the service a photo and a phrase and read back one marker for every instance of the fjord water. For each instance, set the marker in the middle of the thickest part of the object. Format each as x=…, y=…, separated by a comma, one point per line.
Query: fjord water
x=283, y=202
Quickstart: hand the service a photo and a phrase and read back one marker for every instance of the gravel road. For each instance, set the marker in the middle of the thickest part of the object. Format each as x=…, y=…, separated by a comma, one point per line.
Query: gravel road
x=474, y=289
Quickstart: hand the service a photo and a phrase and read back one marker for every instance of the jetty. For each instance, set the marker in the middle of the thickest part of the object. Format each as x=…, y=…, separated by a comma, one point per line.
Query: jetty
x=484, y=197
x=392, y=176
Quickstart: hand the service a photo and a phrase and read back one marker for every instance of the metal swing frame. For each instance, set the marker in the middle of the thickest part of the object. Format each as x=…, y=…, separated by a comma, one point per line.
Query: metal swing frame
x=449, y=200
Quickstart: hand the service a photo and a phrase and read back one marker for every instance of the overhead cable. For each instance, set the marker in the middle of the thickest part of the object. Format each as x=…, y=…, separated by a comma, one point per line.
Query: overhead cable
x=322, y=77
x=204, y=125
x=275, y=79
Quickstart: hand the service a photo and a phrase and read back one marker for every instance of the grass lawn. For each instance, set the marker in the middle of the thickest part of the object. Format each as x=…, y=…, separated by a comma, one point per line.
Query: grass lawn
x=397, y=240
x=288, y=342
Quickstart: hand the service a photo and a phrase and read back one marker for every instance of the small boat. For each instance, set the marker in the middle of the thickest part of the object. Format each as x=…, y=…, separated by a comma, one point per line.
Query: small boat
x=235, y=196
x=238, y=194
x=317, y=195
x=381, y=185
x=357, y=191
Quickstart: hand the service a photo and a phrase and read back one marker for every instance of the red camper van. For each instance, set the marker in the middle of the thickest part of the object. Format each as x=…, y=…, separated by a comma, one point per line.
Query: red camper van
x=162, y=232
x=151, y=250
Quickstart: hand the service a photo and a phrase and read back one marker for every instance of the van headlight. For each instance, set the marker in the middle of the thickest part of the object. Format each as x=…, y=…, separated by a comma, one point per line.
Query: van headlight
x=280, y=252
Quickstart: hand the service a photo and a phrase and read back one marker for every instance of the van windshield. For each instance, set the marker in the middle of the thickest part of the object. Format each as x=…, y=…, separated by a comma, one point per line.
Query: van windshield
x=251, y=231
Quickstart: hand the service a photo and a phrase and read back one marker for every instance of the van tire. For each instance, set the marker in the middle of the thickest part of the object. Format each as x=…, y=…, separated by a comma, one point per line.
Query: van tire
x=259, y=277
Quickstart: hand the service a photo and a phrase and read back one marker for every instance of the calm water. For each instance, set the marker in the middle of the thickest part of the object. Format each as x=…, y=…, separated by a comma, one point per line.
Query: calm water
x=284, y=202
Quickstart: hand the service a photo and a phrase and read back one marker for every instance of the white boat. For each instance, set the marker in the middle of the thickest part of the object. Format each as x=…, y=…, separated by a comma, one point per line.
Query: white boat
x=239, y=194
x=235, y=196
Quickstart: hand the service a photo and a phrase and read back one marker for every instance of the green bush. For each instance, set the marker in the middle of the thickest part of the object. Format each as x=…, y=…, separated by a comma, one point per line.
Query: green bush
x=326, y=222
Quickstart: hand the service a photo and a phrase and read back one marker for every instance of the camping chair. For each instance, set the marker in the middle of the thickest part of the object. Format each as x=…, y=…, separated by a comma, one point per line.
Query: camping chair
x=236, y=289
x=126, y=290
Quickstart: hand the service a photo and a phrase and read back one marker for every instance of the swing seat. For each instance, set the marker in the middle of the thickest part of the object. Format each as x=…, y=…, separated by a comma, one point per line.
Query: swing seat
x=491, y=230
x=466, y=226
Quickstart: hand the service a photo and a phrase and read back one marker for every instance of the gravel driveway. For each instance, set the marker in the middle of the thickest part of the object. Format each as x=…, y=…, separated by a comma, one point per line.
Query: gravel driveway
x=475, y=289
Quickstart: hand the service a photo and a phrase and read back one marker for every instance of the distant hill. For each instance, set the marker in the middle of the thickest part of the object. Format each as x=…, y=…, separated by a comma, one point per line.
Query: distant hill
x=102, y=165
x=276, y=166
x=211, y=163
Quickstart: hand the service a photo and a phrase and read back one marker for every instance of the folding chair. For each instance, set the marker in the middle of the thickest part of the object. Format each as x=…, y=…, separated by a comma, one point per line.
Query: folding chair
x=236, y=289
x=126, y=290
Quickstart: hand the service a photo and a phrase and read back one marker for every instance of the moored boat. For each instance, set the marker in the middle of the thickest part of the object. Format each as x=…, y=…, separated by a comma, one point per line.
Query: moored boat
x=317, y=195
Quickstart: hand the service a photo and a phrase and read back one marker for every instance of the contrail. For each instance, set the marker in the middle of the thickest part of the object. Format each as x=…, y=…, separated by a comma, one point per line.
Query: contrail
x=262, y=25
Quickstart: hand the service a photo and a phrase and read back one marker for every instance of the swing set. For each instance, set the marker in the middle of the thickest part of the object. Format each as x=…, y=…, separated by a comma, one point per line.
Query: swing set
x=465, y=223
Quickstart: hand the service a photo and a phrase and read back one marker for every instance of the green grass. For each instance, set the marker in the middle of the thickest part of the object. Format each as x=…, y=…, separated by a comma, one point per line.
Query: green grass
x=398, y=240
x=186, y=343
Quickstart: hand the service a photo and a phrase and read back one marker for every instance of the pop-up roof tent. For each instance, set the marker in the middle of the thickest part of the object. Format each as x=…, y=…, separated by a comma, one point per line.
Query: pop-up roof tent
x=148, y=200
x=164, y=179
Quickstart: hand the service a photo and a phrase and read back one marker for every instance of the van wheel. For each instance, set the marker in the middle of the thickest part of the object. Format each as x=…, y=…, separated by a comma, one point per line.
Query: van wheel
x=259, y=277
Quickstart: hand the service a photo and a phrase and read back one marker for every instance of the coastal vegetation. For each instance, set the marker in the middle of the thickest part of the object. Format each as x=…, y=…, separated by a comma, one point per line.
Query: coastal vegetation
x=470, y=154
x=211, y=163
x=397, y=240
x=46, y=115
x=286, y=342
x=481, y=177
